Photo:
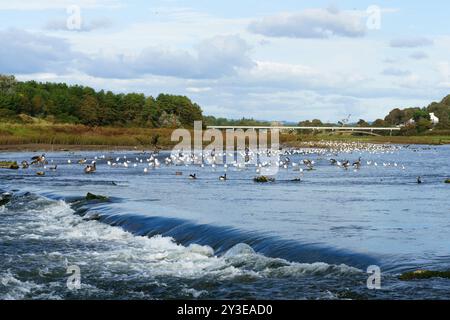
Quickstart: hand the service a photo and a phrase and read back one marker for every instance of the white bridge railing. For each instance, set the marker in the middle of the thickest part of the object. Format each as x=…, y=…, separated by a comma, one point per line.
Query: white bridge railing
x=369, y=129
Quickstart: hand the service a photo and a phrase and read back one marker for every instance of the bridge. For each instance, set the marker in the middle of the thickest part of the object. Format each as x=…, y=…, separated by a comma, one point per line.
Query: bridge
x=366, y=130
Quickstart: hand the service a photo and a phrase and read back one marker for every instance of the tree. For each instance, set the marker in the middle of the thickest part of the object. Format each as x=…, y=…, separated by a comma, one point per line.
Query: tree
x=420, y=114
x=78, y=104
x=363, y=123
x=396, y=117
x=7, y=84
x=423, y=125
x=379, y=123
x=88, y=111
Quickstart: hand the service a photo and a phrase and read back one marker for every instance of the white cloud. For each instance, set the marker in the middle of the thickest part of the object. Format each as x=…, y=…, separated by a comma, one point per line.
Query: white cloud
x=311, y=23
x=24, y=52
x=396, y=72
x=411, y=42
x=418, y=55
x=198, y=89
x=86, y=25
x=25, y=5
x=213, y=58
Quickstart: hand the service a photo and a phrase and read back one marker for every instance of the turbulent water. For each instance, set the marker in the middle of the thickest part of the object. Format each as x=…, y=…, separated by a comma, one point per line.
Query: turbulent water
x=163, y=236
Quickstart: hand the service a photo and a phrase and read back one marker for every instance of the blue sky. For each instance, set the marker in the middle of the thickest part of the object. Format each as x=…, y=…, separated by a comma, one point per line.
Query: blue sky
x=276, y=60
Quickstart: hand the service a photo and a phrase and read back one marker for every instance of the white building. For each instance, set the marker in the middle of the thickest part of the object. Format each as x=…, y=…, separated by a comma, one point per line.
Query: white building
x=434, y=119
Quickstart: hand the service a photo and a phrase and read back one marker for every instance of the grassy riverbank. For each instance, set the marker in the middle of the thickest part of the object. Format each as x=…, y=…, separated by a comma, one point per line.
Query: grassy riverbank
x=47, y=136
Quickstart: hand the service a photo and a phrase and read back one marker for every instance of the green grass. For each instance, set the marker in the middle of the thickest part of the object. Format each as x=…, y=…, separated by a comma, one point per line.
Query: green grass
x=77, y=135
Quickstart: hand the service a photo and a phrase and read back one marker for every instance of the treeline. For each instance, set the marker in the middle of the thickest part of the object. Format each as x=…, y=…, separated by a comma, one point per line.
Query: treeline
x=421, y=116
x=213, y=121
x=401, y=117
x=60, y=103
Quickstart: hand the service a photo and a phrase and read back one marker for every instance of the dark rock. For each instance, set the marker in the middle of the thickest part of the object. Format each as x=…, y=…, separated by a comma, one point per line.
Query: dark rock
x=91, y=196
x=424, y=274
x=5, y=198
x=9, y=165
x=263, y=179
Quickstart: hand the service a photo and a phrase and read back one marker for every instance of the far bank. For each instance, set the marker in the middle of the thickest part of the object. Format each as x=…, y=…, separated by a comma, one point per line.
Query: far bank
x=57, y=137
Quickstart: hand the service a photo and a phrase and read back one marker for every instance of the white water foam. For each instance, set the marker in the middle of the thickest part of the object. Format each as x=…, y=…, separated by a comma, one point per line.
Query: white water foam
x=112, y=253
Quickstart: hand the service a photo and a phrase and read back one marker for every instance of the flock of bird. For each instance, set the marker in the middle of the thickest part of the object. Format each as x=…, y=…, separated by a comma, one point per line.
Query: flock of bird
x=245, y=159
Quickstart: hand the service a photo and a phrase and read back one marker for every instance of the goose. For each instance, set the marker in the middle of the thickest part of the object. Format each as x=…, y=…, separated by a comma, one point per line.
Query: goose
x=346, y=164
x=357, y=164
x=193, y=176
x=53, y=168
x=25, y=165
x=91, y=168
x=38, y=159
x=333, y=161
x=223, y=178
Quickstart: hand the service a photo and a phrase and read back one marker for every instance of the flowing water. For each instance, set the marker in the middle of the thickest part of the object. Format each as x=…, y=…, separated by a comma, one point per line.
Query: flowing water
x=163, y=236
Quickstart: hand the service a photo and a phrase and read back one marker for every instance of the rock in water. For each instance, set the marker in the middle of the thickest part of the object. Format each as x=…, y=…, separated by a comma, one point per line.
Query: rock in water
x=263, y=179
x=424, y=274
x=91, y=196
x=9, y=165
x=5, y=198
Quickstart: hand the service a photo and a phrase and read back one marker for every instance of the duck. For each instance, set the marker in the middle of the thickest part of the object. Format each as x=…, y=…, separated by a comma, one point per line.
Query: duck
x=38, y=159
x=223, y=178
x=91, y=168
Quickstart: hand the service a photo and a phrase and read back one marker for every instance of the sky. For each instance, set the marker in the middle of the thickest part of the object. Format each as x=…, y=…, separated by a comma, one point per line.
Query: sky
x=269, y=60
